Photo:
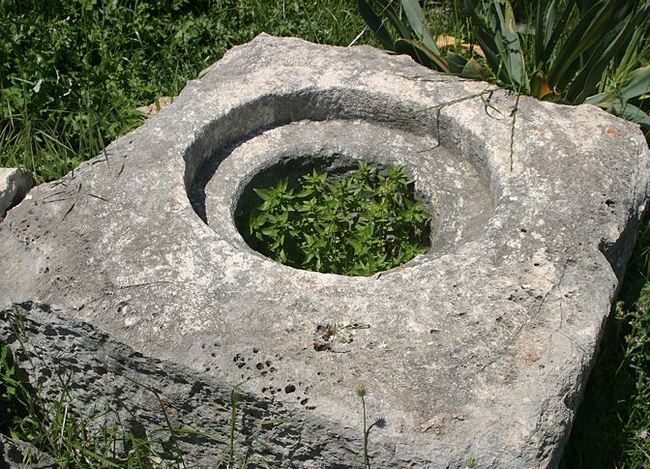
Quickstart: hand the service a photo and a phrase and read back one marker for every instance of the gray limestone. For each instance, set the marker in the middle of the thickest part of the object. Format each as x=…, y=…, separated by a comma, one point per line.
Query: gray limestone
x=478, y=349
x=18, y=454
x=108, y=385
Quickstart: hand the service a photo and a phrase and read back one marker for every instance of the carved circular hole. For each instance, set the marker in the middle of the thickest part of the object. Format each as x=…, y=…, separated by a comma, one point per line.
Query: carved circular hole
x=355, y=225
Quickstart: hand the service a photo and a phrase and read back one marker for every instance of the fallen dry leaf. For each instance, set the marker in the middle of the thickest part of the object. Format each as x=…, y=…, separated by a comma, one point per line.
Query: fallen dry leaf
x=445, y=42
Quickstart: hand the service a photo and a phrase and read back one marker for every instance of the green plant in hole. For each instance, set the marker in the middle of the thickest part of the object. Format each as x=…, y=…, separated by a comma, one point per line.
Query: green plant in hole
x=358, y=224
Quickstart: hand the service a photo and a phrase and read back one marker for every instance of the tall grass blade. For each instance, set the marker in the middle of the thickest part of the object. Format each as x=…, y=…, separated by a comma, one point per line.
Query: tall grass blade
x=638, y=84
x=375, y=24
x=403, y=30
x=555, y=27
x=587, y=32
x=592, y=74
x=540, y=32
x=511, y=50
x=416, y=19
x=592, y=70
x=484, y=36
x=632, y=55
x=421, y=53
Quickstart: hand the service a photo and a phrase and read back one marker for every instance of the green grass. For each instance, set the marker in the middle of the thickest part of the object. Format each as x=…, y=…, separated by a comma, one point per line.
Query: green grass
x=73, y=72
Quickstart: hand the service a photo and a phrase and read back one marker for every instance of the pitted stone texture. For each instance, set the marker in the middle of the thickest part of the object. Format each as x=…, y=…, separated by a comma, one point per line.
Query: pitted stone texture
x=14, y=186
x=478, y=350
x=108, y=385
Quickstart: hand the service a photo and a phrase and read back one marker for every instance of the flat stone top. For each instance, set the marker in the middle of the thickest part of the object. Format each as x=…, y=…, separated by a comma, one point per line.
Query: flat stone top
x=477, y=349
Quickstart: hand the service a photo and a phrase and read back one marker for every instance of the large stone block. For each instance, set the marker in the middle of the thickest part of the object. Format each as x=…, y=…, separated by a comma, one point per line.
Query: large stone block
x=478, y=349
x=14, y=185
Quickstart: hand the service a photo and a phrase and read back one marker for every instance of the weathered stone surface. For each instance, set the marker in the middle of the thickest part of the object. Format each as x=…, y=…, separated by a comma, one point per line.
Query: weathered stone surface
x=18, y=454
x=110, y=385
x=478, y=349
x=14, y=185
